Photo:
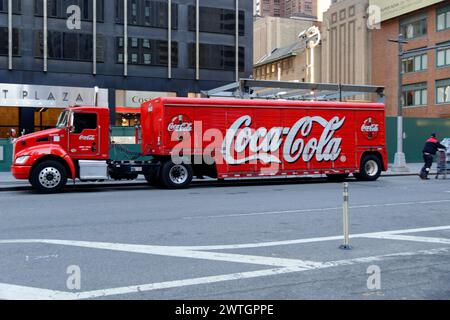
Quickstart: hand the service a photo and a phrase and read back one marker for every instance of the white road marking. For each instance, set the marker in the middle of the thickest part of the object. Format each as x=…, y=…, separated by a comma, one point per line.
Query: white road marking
x=395, y=204
x=411, y=238
x=12, y=292
x=312, y=240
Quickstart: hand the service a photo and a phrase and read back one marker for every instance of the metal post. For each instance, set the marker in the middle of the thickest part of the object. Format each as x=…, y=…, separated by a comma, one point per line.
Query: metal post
x=125, y=38
x=237, y=40
x=400, y=159
x=197, y=40
x=45, y=35
x=10, y=36
x=346, y=220
x=169, y=40
x=94, y=37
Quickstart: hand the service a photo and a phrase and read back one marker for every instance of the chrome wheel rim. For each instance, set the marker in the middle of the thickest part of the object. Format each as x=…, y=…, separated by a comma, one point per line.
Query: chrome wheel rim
x=178, y=174
x=371, y=168
x=49, y=177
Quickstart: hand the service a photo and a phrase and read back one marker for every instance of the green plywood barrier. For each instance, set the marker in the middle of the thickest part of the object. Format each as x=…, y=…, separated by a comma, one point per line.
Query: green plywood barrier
x=5, y=155
x=417, y=131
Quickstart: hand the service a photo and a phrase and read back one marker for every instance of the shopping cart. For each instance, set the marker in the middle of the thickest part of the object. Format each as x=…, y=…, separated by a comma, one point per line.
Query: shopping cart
x=441, y=164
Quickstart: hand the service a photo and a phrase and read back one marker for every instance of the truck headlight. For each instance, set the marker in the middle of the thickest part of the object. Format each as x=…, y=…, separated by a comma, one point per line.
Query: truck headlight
x=22, y=160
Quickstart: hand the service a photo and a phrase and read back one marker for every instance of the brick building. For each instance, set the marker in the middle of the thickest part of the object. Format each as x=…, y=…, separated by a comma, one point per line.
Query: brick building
x=426, y=74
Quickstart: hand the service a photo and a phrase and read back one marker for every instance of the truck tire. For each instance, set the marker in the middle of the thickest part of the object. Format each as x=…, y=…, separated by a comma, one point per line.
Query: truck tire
x=176, y=176
x=370, y=169
x=49, y=177
x=337, y=177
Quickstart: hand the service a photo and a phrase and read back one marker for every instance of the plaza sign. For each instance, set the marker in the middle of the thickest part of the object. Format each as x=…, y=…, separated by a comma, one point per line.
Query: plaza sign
x=394, y=8
x=17, y=95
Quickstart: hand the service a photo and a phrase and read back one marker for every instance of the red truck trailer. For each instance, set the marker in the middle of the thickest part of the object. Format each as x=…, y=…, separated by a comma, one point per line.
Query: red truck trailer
x=219, y=138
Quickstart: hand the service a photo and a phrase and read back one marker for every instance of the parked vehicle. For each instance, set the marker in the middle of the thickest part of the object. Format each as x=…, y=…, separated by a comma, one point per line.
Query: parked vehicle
x=219, y=138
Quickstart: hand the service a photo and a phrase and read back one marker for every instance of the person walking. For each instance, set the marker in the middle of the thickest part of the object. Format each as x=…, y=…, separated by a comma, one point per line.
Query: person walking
x=429, y=151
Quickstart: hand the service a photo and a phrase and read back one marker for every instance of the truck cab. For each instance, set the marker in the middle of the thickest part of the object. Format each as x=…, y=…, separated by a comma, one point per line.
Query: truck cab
x=79, y=142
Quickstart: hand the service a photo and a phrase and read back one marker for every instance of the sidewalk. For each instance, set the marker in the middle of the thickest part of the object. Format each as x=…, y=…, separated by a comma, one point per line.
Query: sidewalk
x=7, y=181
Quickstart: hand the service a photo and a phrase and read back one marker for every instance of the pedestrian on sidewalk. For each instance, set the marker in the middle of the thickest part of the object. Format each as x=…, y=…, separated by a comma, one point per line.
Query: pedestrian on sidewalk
x=432, y=145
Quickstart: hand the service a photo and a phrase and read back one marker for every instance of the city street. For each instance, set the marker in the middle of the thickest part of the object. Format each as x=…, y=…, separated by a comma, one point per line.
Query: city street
x=271, y=239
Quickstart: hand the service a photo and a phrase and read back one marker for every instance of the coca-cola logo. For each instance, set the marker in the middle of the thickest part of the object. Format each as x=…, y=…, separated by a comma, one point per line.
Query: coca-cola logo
x=264, y=144
x=87, y=138
x=180, y=123
x=370, y=128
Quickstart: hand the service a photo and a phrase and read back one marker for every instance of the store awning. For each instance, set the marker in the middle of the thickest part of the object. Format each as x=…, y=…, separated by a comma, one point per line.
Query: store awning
x=128, y=110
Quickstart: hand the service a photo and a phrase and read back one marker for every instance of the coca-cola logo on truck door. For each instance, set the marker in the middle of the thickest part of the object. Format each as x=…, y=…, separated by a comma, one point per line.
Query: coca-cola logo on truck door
x=264, y=144
x=370, y=128
x=180, y=123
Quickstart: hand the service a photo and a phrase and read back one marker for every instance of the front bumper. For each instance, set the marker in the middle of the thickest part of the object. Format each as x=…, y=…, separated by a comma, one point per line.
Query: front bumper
x=21, y=172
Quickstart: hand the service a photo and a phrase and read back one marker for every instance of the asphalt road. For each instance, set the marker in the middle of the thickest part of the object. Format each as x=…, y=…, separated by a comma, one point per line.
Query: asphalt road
x=251, y=240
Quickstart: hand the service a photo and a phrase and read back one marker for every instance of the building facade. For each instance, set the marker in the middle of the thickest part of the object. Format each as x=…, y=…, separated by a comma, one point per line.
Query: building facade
x=54, y=52
x=286, y=8
x=270, y=33
x=346, y=43
x=426, y=64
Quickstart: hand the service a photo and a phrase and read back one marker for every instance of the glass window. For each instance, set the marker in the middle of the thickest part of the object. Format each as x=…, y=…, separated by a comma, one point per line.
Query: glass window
x=147, y=52
x=443, y=91
x=220, y=57
x=148, y=13
x=414, y=29
x=216, y=20
x=84, y=121
x=16, y=4
x=69, y=46
x=443, y=18
x=4, y=41
x=415, y=64
x=443, y=58
x=58, y=8
x=415, y=95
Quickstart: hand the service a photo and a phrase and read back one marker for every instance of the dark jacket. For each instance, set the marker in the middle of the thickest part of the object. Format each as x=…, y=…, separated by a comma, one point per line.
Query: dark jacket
x=432, y=145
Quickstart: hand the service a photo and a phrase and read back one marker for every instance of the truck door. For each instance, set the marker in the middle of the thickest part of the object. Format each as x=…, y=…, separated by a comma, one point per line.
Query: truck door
x=84, y=135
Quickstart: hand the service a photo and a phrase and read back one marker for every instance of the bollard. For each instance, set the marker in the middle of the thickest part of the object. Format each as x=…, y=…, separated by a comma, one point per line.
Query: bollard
x=346, y=221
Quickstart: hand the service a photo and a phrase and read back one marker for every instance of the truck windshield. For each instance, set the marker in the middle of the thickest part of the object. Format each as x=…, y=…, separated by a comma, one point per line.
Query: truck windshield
x=63, y=120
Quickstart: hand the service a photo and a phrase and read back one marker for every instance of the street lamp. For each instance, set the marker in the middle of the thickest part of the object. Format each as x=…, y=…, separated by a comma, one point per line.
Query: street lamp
x=312, y=38
x=400, y=159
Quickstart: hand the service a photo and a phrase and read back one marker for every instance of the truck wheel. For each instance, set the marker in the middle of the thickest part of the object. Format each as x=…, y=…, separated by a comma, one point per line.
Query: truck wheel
x=49, y=177
x=370, y=169
x=337, y=177
x=176, y=176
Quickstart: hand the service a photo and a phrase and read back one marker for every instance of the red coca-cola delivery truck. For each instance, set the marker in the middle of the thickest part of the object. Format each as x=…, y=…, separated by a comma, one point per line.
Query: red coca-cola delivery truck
x=220, y=138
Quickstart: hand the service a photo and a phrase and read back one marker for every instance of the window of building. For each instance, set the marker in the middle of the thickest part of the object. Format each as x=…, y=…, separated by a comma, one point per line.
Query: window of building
x=147, y=13
x=216, y=20
x=69, y=46
x=415, y=64
x=443, y=57
x=147, y=52
x=4, y=42
x=415, y=95
x=414, y=28
x=219, y=57
x=16, y=6
x=443, y=91
x=58, y=9
x=443, y=18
